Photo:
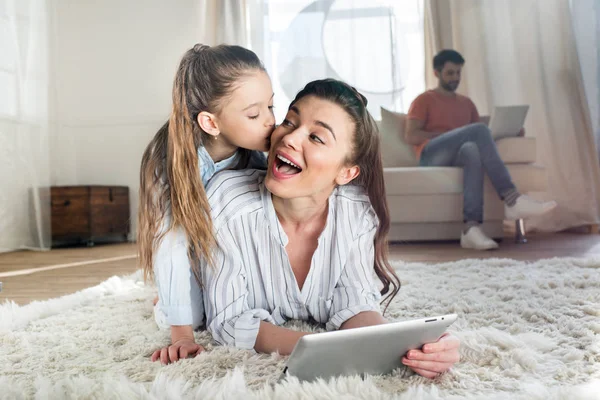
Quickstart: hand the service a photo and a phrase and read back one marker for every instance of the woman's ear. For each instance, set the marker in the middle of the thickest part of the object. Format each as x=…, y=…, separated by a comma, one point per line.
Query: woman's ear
x=208, y=123
x=347, y=174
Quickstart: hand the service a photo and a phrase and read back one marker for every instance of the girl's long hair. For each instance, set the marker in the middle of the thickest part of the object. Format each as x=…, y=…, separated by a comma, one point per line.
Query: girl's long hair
x=171, y=192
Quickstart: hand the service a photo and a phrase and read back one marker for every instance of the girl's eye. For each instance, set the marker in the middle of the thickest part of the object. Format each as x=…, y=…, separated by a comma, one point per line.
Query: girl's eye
x=316, y=139
x=287, y=122
x=271, y=108
x=254, y=116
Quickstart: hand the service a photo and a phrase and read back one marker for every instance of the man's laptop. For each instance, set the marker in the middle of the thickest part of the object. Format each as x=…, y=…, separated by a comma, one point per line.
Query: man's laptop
x=507, y=121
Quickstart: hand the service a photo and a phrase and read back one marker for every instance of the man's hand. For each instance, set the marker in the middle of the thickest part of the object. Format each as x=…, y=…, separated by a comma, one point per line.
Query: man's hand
x=183, y=348
x=434, y=358
x=414, y=133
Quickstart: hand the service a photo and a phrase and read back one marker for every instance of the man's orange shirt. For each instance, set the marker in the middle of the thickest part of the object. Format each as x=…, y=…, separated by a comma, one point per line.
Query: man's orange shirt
x=442, y=113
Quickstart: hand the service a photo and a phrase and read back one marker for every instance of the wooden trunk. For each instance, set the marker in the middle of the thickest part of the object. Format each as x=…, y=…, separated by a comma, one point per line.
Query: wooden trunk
x=88, y=213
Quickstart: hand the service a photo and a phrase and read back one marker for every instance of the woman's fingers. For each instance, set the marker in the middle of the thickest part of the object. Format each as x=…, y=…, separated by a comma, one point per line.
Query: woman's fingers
x=449, y=356
x=425, y=373
x=435, y=358
x=431, y=366
x=447, y=342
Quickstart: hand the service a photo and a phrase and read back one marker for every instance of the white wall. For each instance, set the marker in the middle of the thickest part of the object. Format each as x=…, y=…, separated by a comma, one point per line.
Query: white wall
x=113, y=63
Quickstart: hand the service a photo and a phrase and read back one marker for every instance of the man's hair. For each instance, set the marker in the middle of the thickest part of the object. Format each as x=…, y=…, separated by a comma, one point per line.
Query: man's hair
x=445, y=56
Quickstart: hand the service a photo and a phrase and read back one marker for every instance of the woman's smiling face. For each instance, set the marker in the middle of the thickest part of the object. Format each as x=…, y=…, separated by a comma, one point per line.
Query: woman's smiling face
x=310, y=149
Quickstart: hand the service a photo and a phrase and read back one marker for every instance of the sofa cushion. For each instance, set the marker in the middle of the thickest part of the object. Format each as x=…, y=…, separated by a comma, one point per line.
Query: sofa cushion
x=449, y=180
x=394, y=151
x=427, y=209
x=423, y=180
x=418, y=203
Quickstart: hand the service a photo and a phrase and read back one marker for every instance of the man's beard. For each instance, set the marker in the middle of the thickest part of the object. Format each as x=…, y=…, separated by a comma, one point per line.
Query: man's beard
x=450, y=86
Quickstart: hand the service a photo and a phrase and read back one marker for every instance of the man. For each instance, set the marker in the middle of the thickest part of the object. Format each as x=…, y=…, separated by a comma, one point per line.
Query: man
x=444, y=129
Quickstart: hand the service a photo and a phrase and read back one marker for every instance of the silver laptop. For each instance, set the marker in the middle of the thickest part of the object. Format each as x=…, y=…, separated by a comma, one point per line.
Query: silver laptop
x=507, y=120
x=370, y=350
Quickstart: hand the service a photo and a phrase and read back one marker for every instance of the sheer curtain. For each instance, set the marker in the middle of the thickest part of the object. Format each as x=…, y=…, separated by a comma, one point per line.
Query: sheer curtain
x=376, y=46
x=523, y=52
x=586, y=23
x=24, y=125
x=224, y=21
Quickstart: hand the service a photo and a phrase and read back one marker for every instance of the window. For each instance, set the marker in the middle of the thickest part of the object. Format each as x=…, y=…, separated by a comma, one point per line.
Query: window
x=23, y=60
x=376, y=46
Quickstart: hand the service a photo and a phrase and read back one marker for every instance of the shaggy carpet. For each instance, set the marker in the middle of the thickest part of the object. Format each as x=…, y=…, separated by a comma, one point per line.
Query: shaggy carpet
x=528, y=331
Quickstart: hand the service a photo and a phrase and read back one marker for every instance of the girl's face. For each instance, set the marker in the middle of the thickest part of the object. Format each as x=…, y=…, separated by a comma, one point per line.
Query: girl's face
x=309, y=150
x=246, y=117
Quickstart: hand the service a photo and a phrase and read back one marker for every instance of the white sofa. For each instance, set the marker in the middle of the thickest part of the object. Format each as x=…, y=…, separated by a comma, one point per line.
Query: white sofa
x=426, y=202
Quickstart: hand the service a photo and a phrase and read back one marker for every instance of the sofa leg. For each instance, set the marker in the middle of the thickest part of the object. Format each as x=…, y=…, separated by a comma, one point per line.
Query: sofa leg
x=520, y=232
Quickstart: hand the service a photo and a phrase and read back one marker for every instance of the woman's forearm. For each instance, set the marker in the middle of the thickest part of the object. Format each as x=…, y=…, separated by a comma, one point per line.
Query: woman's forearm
x=365, y=318
x=275, y=338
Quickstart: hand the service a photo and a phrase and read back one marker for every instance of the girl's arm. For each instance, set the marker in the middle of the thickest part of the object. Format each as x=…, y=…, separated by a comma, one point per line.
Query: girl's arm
x=180, y=303
x=180, y=295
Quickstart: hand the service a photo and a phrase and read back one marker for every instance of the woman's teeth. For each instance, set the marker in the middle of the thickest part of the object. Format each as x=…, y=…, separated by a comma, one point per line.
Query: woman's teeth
x=285, y=160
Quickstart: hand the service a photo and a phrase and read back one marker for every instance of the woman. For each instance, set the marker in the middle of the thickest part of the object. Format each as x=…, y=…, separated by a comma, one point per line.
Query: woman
x=302, y=240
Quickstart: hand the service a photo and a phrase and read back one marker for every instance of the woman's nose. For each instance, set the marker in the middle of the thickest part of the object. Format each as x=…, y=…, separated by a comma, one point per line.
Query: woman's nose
x=292, y=139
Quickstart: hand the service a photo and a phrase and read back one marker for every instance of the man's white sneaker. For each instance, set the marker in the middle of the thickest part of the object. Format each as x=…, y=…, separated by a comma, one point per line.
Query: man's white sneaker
x=477, y=240
x=526, y=207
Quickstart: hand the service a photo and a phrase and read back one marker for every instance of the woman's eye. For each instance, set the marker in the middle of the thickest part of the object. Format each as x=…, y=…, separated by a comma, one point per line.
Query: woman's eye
x=316, y=139
x=271, y=108
x=287, y=122
x=253, y=116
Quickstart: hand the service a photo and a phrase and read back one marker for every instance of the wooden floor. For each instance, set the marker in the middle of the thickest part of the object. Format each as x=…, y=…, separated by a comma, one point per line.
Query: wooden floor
x=29, y=275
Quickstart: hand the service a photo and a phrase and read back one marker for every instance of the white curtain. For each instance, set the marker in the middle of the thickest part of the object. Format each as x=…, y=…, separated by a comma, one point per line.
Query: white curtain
x=376, y=46
x=523, y=52
x=586, y=24
x=24, y=124
x=224, y=22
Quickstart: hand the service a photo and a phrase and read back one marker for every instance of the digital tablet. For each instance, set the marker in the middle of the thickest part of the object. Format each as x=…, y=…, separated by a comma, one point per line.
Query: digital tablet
x=369, y=350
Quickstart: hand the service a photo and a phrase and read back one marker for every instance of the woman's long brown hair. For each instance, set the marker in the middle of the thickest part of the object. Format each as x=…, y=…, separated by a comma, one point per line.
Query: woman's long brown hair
x=171, y=192
x=366, y=153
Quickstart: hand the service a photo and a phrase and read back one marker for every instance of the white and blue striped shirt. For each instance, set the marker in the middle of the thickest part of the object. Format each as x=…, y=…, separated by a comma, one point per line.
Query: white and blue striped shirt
x=252, y=279
x=180, y=297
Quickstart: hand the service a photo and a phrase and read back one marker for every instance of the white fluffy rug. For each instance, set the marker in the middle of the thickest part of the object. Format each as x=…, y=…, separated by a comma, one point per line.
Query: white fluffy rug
x=529, y=331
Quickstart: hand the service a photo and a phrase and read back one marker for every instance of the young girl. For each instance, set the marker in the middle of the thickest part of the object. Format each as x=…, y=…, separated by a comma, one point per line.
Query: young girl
x=222, y=109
